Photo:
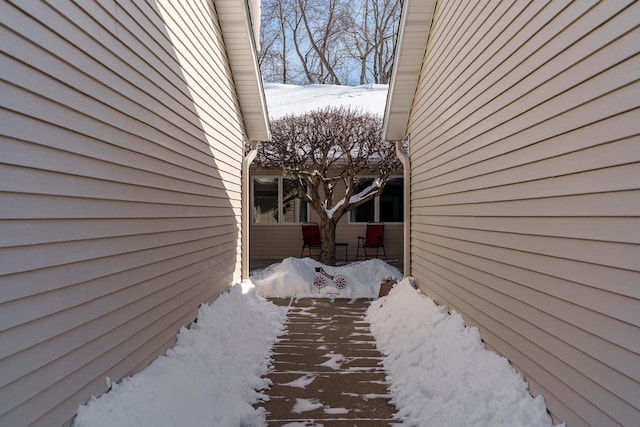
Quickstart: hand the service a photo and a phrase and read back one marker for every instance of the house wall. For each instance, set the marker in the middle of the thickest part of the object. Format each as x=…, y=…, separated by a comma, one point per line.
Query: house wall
x=274, y=242
x=121, y=148
x=525, y=192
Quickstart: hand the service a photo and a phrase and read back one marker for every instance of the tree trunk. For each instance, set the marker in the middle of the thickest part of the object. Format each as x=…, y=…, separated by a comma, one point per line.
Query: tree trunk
x=283, y=31
x=328, y=237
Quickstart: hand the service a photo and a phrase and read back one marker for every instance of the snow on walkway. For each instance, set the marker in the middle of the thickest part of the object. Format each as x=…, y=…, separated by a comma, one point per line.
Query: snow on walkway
x=208, y=379
x=440, y=372
x=326, y=369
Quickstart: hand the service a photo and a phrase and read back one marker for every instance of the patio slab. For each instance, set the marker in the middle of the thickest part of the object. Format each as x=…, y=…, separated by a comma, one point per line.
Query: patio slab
x=326, y=370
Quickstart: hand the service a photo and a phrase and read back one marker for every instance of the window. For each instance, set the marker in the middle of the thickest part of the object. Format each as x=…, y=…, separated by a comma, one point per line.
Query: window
x=388, y=207
x=274, y=202
x=366, y=211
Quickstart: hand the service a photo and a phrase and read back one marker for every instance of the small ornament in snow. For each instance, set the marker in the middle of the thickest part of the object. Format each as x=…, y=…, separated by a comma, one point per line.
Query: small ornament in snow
x=320, y=279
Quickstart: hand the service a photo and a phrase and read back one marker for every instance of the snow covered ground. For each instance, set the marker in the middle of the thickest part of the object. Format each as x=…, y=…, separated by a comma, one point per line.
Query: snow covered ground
x=293, y=276
x=440, y=373
x=291, y=99
x=209, y=378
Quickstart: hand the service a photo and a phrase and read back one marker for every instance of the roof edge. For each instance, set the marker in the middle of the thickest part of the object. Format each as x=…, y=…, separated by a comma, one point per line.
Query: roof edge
x=413, y=33
x=237, y=32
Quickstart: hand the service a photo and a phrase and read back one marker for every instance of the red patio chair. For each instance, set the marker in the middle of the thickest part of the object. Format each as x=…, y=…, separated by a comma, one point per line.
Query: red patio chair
x=374, y=239
x=310, y=237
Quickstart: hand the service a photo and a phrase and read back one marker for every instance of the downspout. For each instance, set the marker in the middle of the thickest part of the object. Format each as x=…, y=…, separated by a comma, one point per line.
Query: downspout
x=246, y=208
x=406, y=201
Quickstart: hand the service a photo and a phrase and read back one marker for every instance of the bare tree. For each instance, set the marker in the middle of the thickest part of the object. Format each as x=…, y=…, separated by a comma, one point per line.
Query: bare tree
x=372, y=34
x=324, y=148
x=273, y=58
x=319, y=39
x=361, y=40
x=328, y=41
x=386, y=17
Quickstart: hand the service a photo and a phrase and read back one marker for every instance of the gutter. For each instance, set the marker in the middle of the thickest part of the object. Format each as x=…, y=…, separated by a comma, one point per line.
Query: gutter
x=246, y=208
x=406, y=206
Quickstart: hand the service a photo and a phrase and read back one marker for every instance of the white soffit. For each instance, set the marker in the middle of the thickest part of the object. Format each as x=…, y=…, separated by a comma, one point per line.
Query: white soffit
x=238, y=39
x=413, y=33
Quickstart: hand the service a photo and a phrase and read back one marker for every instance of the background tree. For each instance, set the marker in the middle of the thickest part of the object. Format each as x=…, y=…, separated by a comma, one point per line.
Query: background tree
x=328, y=41
x=372, y=36
x=385, y=20
x=324, y=148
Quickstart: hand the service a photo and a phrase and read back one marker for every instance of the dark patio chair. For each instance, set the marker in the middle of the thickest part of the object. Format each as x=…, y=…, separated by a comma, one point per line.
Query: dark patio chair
x=374, y=239
x=310, y=237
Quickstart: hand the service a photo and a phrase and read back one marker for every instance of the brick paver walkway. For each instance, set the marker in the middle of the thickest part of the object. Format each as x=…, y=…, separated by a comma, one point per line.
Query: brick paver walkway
x=326, y=369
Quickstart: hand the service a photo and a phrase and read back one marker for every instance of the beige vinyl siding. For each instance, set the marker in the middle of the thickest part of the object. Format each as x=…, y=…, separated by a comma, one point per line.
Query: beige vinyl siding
x=278, y=241
x=525, y=192
x=120, y=158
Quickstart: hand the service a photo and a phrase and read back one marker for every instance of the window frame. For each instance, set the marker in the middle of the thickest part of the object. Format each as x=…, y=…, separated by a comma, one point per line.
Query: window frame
x=280, y=181
x=376, y=202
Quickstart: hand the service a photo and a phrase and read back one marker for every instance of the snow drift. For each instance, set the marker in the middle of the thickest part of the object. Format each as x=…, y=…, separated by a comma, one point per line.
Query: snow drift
x=293, y=277
x=441, y=374
x=208, y=379
x=284, y=99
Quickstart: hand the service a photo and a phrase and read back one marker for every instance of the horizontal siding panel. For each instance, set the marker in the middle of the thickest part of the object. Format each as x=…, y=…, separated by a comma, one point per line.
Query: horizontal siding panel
x=524, y=192
x=113, y=112
x=610, y=279
x=571, y=115
x=91, y=269
x=540, y=328
x=546, y=59
x=618, y=255
x=96, y=114
x=553, y=293
x=34, y=181
x=120, y=188
x=592, y=393
x=619, y=203
x=620, y=178
x=32, y=232
x=275, y=242
x=27, y=258
x=121, y=46
x=129, y=36
x=618, y=230
x=29, y=206
x=483, y=58
x=55, y=359
x=557, y=396
x=593, y=146
x=573, y=322
x=146, y=327
x=77, y=122
x=45, y=158
x=99, y=304
x=123, y=150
